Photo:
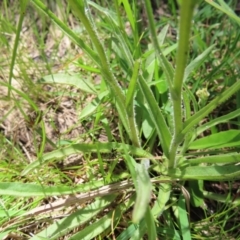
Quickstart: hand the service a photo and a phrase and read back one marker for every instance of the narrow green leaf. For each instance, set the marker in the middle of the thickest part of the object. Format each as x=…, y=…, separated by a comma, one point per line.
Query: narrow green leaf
x=140, y=230
x=187, y=105
x=211, y=173
x=224, y=158
x=225, y=9
x=96, y=228
x=129, y=12
x=196, y=63
x=162, y=35
x=5, y=234
x=230, y=138
x=151, y=227
x=183, y=219
x=119, y=38
x=23, y=7
x=192, y=99
x=27, y=189
x=217, y=121
x=180, y=2
x=127, y=233
x=223, y=198
x=23, y=96
x=92, y=106
x=132, y=85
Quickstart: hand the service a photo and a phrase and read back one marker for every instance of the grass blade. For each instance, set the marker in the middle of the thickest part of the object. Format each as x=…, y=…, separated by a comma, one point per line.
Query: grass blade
x=23, y=6
x=225, y=9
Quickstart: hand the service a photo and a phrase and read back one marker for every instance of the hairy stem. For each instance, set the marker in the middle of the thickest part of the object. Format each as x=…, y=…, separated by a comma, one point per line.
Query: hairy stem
x=186, y=13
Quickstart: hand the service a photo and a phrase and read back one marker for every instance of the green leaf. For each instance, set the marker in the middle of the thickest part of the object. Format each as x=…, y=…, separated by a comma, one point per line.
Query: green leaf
x=211, y=173
x=222, y=158
x=131, y=90
x=183, y=219
x=217, y=121
x=143, y=190
x=230, y=138
x=129, y=12
x=196, y=63
x=162, y=35
x=162, y=199
x=140, y=230
x=151, y=227
x=180, y=2
x=92, y=106
x=28, y=189
x=147, y=125
x=76, y=80
x=127, y=233
x=196, y=193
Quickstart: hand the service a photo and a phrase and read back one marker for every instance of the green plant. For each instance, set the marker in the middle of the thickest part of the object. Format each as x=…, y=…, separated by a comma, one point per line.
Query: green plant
x=153, y=103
